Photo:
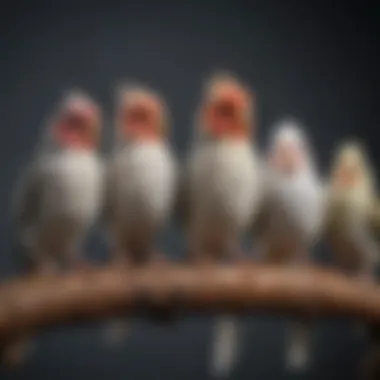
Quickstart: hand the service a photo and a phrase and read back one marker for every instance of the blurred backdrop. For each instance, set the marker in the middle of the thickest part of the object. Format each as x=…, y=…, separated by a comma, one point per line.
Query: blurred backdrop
x=316, y=62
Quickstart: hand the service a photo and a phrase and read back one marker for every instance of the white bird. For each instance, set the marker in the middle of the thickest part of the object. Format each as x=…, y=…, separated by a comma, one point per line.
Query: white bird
x=141, y=181
x=293, y=215
x=223, y=190
x=60, y=194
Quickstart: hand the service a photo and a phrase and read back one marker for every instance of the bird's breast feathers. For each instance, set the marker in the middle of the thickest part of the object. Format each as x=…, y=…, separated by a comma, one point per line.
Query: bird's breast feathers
x=145, y=178
x=301, y=202
x=73, y=184
x=225, y=180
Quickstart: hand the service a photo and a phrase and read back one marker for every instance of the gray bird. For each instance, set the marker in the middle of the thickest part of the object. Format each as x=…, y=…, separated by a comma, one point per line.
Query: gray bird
x=293, y=215
x=59, y=195
x=141, y=181
x=222, y=187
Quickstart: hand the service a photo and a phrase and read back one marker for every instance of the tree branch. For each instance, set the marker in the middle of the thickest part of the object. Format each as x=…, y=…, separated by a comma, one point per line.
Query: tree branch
x=30, y=303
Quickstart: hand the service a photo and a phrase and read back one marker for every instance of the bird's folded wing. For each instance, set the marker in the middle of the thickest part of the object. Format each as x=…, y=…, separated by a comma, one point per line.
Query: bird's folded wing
x=108, y=208
x=374, y=221
x=331, y=215
x=261, y=221
x=27, y=197
x=182, y=199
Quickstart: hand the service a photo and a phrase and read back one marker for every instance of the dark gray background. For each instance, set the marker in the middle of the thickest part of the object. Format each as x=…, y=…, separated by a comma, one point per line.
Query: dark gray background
x=316, y=62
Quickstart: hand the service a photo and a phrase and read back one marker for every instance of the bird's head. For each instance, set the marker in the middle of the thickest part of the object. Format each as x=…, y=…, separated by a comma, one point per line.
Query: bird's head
x=227, y=109
x=142, y=115
x=77, y=123
x=350, y=166
x=289, y=151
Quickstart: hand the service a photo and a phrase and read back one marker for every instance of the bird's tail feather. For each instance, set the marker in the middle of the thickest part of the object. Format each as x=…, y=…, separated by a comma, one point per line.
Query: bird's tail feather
x=116, y=331
x=224, y=351
x=298, y=347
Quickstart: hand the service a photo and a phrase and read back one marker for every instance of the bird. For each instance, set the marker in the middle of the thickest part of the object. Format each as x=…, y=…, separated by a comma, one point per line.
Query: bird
x=142, y=174
x=221, y=190
x=59, y=195
x=352, y=226
x=292, y=217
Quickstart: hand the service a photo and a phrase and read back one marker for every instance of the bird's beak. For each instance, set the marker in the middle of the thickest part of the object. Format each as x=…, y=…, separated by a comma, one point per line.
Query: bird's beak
x=140, y=122
x=79, y=129
x=225, y=116
x=348, y=175
x=287, y=159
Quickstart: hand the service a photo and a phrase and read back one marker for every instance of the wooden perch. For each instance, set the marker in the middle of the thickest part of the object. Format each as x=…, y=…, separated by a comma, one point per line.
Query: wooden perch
x=28, y=304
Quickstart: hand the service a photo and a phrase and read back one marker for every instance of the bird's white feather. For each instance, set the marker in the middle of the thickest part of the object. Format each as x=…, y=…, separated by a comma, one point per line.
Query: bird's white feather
x=144, y=182
x=225, y=182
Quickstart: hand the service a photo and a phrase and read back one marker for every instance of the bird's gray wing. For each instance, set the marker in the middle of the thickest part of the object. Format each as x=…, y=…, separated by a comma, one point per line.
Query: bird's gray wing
x=262, y=219
x=374, y=221
x=260, y=223
x=330, y=220
x=27, y=197
x=108, y=209
x=26, y=205
x=373, y=231
x=182, y=199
